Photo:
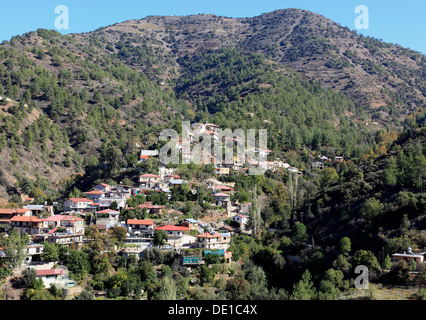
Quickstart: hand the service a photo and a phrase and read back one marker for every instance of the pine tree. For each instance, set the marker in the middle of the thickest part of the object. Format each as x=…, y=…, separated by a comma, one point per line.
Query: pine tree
x=387, y=263
x=304, y=289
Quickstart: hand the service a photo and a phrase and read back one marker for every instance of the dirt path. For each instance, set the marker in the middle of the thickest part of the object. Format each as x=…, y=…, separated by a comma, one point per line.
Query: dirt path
x=11, y=289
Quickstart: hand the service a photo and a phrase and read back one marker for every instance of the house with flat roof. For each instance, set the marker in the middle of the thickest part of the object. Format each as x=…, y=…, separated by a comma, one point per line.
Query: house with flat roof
x=106, y=202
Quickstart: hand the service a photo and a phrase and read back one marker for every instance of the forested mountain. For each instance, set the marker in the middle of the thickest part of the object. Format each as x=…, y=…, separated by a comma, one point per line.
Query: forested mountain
x=82, y=101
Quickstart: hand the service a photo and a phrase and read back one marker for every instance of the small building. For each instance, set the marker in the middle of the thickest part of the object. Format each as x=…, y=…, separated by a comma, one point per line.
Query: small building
x=410, y=256
x=227, y=229
x=244, y=208
x=6, y=215
x=241, y=219
x=149, y=180
x=318, y=164
x=293, y=170
x=30, y=225
x=169, y=177
x=175, y=234
x=37, y=210
x=34, y=252
x=105, y=203
x=176, y=183
x=71, y=224
x=213, y=240
x=152, y=208
x=221, y=199
x=222, y=188
x=60, y=238
x=103, y=187
x=324, y=159
x=51, y=276
x=149, y=153
x=77, y=204
x=136, y=226
x=94, y=195
x=221, y=171
x=190, y=223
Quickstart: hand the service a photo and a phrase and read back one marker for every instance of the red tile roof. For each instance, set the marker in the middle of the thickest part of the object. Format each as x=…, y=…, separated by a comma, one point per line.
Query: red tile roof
x=209, y=235
x=22, y=211
x=7, y=211
x=140, y=222
x=95, y=192
x=80, y=200
x=144, y=157
x=62, y=218
x=149, y=205
x=149, y=175
x=105, y=185
x=221, y=195
x=108, y=211
x=50, y=272
x=52, y=231
x=173, y=228
x=25, y=219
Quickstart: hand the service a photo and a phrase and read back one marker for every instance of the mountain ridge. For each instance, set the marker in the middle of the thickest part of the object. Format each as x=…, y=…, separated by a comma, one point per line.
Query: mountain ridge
x=118, y=86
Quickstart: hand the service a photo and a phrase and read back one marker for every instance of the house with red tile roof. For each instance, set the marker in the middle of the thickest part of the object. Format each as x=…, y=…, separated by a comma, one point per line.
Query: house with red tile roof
x=6, y=215
x=103, y=187
x=149, y=180
x=51, y=276
x=241, y=219
x=175, y=234
x=78, y=204
x=30, y=225
x=152, y=209
x=137, y=226
x=213, y=240
x=71, y=224
x=95, y=195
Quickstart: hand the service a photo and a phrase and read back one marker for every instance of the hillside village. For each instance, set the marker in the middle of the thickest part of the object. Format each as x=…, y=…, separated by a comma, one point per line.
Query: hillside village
x=90, y=208
x=103, y=208
x=149, y=224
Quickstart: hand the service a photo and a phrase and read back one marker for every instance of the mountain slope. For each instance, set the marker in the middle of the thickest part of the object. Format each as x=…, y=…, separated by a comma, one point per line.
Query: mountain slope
x=312, y=83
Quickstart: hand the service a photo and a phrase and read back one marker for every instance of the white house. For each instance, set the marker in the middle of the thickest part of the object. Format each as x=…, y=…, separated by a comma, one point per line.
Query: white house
x=213, y=240
x=51, y=276
x=242, y=219
x=77, y=204
x=137, y=226
x=106, y=202
x=103, y=187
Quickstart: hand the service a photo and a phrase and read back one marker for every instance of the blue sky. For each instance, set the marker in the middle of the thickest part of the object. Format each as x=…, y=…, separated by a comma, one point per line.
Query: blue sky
x=401, y=22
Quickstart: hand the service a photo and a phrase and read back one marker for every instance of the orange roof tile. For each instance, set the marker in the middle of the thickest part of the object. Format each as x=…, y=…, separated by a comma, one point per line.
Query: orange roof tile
x=172, y=228
x=140, y=222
